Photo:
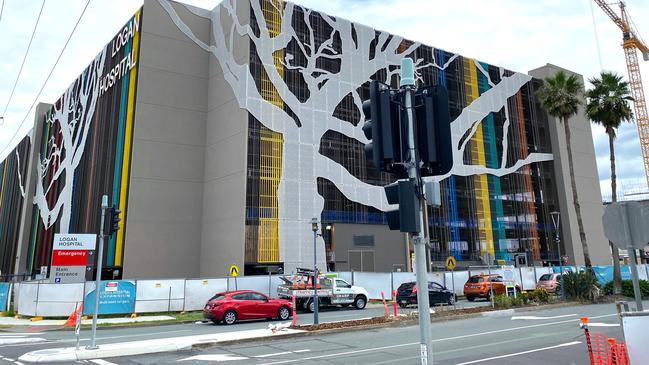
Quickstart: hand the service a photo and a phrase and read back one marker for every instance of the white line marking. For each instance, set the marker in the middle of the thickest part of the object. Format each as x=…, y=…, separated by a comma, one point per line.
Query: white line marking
x=596, y=324
x=23, y=340
x=10, y=334
x=124, y=336
x=521, y=353
x=214, y=357
x=437, y=340
x=535, y=317
x=102, y=362
x=18, y=363
x=282, y=353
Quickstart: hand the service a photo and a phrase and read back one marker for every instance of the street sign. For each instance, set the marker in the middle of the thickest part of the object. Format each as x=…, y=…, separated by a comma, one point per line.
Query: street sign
x=622, y=215
x=451, y=263
x=70, y=257
x=234, y=271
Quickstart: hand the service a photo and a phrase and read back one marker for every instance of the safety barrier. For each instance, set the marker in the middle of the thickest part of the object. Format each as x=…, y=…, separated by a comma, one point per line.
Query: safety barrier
x=603, y=350
x=40, y=298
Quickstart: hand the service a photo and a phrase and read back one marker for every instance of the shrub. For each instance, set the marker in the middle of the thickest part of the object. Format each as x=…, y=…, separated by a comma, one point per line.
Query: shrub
x=502, y=301
x=627, y=288
x=524, y=297
x=518, y=301
x=581, y=286
x=540, y=295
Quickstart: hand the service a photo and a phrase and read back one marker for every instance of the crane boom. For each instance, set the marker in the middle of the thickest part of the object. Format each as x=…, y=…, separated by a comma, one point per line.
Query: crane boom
x=630, y=42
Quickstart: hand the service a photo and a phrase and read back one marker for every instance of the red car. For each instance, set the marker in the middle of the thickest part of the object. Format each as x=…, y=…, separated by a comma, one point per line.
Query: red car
x=233, y=306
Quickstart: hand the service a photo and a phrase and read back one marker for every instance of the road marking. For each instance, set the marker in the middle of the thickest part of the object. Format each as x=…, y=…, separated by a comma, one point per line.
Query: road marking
x=437, y=340
x=596, y=324
x=11, y=334
x=535, y=317
x=522, y=353
x=124, y=336
x=102, y=362
x=282, y=353
x=214, y=357
x=20, y=340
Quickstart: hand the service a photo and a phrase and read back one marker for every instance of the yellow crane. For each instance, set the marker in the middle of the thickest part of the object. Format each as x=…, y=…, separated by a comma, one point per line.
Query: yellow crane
x=630, y=42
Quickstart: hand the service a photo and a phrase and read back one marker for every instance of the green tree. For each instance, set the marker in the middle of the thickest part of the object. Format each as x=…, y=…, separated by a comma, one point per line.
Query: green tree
x=608, y=106
x=560, y=96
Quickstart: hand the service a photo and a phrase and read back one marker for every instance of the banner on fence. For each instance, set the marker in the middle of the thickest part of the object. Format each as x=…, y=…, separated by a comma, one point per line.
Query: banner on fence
x=4, y=296
x=115, y=297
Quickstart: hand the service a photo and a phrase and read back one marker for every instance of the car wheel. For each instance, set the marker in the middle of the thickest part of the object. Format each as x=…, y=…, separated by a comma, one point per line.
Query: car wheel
x=403, y=304
x=360, y=302
x=470, y=299
x=283, y=313
x=488, y=297
x=230, y=317
x=452, y=299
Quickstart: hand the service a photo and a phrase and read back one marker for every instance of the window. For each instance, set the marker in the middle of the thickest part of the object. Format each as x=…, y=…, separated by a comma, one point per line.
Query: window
x=367, y=240
x=218, y=297
x=342, y=283
x=257, y=296
x=545, y=277
x=242, y=296
x=435, y=286
x=475, y=279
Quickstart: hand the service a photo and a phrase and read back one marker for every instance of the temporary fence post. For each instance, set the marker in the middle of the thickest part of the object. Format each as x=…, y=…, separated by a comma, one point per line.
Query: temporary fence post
x=392, y=281
x=169, y=301
x=269, y=282
x=77, y=320
x=184, y=293
x=394, y=302
x=294, y=313
x=353, y=278
x=38, y=289
x=385, y=305
x=589, y=346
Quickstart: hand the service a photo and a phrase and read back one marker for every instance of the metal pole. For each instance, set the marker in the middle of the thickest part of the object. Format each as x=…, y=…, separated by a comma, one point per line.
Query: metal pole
x=315, y=287
x=426, y=349
x=491, y=291
x=100, y=257
x=634, y=268
x=558, y=240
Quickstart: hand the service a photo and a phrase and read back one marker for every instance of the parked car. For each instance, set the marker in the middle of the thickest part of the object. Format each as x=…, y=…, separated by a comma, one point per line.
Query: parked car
x=549, y=282
x=482, y=286
x=437, y=294
x=232, y=306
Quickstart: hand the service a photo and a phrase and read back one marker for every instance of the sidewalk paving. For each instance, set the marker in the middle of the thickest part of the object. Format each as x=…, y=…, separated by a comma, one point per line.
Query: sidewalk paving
x=10, y=321
x=147, y=346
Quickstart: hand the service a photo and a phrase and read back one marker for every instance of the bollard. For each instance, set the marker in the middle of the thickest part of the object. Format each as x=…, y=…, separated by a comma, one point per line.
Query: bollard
x=385, y=305
x=584, y=326
x=294, y=313
x=394, y=302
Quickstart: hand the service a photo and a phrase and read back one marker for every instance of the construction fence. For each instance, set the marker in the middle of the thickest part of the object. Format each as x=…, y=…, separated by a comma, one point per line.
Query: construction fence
x=41, y=298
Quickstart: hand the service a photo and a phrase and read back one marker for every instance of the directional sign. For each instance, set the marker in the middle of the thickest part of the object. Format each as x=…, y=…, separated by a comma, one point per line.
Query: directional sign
x=625, y=224
x=451, y=263
x=70, y=254
x=234, y=271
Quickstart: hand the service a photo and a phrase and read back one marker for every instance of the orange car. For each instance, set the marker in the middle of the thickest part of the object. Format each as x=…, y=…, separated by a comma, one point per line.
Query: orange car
x=482, y=286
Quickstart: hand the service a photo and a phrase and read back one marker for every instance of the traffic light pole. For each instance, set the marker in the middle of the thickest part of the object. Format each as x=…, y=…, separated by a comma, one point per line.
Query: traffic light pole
x=100, y=258
x=407, y=84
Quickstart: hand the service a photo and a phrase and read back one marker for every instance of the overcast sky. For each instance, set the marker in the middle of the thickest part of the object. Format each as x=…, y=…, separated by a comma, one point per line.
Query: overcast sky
x=518, y=35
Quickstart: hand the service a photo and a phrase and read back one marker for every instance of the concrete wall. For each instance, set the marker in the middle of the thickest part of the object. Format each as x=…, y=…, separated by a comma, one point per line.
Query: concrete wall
x=224, y=194
x=389, y=250
x=163, y=228
x=585, y=167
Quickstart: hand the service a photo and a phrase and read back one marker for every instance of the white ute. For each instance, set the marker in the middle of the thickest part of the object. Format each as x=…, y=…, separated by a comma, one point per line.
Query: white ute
x=332, y=291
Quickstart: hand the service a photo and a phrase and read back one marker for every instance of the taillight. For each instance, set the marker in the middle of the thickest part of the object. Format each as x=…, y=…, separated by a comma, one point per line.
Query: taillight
x=414, y=289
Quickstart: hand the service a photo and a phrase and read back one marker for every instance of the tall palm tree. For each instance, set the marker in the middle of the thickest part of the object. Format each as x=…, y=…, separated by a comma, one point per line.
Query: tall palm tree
x=608, y=106
x=560, y=96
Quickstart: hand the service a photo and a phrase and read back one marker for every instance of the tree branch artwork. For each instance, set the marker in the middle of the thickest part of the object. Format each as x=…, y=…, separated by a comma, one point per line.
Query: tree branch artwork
x=361, y=53
x=71, y=116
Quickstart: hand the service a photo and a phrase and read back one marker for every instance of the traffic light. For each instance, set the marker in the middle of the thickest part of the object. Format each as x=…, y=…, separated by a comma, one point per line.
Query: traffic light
x=382, y=128
x=406, y=218
x=114, y=220
x=434, y=131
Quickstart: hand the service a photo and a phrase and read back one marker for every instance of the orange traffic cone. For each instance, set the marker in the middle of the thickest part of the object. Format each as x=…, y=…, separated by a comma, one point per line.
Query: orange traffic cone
x=72, y=320
x=294, y=282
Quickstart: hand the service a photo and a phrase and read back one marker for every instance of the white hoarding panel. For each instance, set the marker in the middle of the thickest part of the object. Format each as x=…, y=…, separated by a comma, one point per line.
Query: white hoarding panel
x=26, y=295
x=199, y=291
x=58, y=300
x=374, y=283
x=528, y=278
x=457, y=279
x=159, y=295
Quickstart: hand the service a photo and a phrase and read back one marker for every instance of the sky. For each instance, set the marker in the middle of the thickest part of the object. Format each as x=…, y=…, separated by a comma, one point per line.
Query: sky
x=518, y=35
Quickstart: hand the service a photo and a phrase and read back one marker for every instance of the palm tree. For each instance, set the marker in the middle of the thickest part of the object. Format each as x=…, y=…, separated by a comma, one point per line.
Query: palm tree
x=608, y=106
x=560, y=97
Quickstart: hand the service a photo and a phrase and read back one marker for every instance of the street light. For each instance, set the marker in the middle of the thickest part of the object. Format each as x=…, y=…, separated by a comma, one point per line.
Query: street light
x=314, y=228
x=556, y=221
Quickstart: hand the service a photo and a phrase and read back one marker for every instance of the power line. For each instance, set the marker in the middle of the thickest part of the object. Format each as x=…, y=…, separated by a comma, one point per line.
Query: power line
x=2, y=7
x=46, y=80
x=599, y=52
x=11, y=95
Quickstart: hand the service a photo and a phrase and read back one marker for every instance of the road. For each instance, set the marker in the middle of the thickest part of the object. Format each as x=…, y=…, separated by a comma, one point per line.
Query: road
x=16, y=342
x=538, y=337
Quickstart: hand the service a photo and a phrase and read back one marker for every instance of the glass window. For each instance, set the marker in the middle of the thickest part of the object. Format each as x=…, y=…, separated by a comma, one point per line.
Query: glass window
x=342, y=283
x=545, y=277
x=218, y=297
x=242, y=296
x=257, y=296
x=475, y=279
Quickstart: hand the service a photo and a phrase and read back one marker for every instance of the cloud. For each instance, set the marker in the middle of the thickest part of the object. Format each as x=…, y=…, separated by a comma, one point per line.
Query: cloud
x=518, y=35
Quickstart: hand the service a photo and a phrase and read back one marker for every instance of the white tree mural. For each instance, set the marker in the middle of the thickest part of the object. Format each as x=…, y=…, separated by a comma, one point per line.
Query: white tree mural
x=73, y=113
x=298, y=197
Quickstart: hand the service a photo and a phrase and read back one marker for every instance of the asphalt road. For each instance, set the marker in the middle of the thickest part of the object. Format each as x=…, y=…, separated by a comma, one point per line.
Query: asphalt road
x=44, y=338
x=550, y=336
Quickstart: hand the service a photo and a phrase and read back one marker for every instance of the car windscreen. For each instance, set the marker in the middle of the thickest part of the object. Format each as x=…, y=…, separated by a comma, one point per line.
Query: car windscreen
x=545, y=277
x=475, y=279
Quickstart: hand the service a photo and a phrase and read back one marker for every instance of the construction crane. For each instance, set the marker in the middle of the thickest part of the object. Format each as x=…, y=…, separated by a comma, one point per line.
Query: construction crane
x=630, y=42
